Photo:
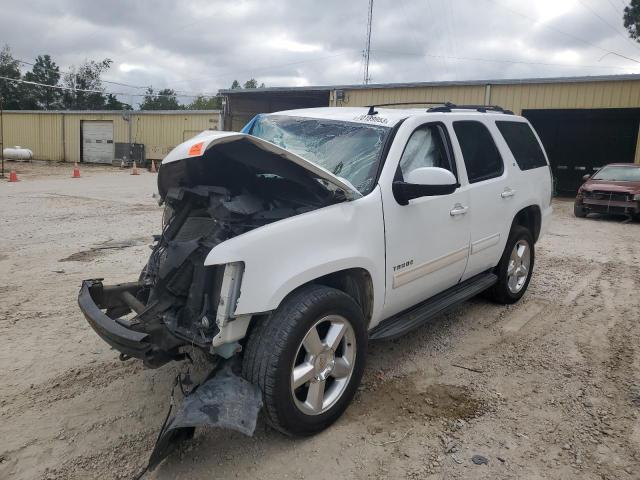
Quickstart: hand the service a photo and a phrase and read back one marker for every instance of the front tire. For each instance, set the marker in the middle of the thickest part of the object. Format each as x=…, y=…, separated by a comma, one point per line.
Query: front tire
x=515, y=267
x=308, y=357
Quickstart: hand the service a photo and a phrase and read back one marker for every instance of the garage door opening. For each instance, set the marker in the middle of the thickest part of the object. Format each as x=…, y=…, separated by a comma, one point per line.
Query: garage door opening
x=578, y=142
x=97, y=141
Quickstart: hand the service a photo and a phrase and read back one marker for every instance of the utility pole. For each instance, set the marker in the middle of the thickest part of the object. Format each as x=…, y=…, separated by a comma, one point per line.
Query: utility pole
x=367, y=51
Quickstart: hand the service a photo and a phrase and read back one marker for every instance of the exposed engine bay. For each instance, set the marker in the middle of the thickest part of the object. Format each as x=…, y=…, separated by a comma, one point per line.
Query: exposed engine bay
x=230, y=190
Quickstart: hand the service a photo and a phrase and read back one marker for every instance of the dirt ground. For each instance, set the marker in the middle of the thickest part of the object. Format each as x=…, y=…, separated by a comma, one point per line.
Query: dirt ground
x=547, y=388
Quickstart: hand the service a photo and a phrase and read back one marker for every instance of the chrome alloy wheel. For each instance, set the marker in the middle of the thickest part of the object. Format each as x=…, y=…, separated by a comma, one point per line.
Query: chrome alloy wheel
x=519, y=264
x=323, y=365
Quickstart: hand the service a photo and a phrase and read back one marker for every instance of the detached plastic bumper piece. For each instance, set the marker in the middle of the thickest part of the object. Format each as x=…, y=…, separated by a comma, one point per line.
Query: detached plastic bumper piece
x=94, y=297
x=225, y=400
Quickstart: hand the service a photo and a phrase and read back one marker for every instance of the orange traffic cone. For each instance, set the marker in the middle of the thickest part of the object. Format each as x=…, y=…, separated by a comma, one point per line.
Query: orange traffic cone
x=76, y=170
x=153, y=167
x=135, y=169
x=13, y=176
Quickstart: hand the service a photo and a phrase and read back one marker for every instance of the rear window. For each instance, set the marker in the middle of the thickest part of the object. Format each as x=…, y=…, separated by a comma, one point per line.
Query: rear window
x=523, y=144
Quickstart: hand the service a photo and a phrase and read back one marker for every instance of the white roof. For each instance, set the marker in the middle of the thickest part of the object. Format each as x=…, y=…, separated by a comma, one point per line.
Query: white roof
x=387, y=117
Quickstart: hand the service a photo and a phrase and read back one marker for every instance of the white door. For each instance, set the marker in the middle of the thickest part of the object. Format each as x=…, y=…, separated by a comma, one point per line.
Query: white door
x=97, y=141
x=490, y=194
x=427, y=241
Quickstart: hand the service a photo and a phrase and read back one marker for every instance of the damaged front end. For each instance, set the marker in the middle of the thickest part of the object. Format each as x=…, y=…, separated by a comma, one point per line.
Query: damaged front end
x=214, y=187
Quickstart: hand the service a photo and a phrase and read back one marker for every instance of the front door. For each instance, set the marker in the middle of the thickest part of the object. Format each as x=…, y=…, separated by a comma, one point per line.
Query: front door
x=427, y=241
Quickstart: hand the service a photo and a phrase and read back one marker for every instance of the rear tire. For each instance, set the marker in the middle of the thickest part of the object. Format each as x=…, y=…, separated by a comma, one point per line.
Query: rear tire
x=307, y=376
x=579, y=211
x=515, y=267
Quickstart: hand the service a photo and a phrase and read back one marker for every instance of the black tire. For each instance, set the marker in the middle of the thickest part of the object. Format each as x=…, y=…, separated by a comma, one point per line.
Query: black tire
x=579, y=211
x=500, y=292
x=273, y=346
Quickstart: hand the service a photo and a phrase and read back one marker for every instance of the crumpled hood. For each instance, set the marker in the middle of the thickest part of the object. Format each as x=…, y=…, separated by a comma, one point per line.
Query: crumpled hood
x=251, y=150
x=618, y=187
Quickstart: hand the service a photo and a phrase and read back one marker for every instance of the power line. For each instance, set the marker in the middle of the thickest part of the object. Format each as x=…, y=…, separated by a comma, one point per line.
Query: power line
x=616, y=8
x=604, y=20
x=227, y=74
x=179, y=92
x=102, y=92
x=413, y=33
x=68, y=72
x=492, y=60
x=557, y=30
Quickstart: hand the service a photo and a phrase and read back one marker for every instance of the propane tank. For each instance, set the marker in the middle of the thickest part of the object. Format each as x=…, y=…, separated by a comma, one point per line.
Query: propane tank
x=17, y=153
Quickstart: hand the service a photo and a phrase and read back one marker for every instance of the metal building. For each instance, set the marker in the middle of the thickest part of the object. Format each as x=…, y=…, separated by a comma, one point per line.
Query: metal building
x=92, y=136
x=584, y=122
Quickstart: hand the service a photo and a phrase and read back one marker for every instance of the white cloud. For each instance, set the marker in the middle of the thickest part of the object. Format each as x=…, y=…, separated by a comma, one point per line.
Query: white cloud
x=129, y=67
x=284, y=43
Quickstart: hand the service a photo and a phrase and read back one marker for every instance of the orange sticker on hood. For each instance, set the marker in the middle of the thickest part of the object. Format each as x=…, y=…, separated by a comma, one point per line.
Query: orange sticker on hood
x=196, y=149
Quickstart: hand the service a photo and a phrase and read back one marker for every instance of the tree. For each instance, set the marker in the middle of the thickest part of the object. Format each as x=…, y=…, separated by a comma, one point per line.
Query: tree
x=85, y=77
x=113, y=103
x=44, y=71
x=12, y=93
x=205, y=103
x=235, y=85
x=262, y=85
x=253, y=83
x=163, y=100
x=632, y=19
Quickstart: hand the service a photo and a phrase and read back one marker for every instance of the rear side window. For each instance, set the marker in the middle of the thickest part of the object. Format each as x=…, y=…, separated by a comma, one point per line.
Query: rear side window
x=481, y=156
x=523, y=144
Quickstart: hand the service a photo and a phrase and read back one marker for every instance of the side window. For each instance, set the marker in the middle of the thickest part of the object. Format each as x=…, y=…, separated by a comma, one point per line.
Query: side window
x=523, y=144
x=481, y=156
x=426, y=147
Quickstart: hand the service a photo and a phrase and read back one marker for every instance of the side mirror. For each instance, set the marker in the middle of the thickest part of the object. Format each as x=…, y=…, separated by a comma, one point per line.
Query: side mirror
x=425, y=182
x=586, y=177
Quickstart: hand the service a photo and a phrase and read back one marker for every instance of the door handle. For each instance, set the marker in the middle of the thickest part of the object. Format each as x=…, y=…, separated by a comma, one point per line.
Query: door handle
x=508, y=192
x=458, y=209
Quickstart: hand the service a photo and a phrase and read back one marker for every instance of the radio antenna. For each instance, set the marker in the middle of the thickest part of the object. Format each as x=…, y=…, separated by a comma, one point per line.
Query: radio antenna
x=367, y=51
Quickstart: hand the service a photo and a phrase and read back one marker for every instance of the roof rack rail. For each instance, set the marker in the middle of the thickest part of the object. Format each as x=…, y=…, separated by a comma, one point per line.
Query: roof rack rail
x=372, y=108
x=448, y=107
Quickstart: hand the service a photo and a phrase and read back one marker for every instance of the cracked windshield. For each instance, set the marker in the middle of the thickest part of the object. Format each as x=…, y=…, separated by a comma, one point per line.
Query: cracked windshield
x=348, y=150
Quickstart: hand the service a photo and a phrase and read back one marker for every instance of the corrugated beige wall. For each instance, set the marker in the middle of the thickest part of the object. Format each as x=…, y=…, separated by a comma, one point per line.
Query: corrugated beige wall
x=469, y=94
x=56, y=136
x=516, y=97
x=40, y=133
x=611, y=94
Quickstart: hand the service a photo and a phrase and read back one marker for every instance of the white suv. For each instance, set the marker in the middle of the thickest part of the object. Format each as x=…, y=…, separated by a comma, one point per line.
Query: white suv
x=291, y=244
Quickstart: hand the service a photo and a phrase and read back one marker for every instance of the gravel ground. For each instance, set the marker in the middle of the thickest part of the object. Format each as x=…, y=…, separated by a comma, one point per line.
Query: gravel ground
x=547, y=388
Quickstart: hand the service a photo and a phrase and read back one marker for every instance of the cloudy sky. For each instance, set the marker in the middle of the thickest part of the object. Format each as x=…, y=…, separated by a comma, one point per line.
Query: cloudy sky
x=200, y=46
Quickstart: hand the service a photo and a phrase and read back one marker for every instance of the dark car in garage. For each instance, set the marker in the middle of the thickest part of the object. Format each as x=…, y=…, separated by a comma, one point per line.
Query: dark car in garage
x=614, y=189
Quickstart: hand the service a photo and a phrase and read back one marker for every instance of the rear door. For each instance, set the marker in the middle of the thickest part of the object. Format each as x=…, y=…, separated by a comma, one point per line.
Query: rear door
x=490, y=194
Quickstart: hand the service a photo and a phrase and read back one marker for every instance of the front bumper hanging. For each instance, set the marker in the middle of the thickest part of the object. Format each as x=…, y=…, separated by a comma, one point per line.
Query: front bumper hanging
x=149, y=341
x=92, y=298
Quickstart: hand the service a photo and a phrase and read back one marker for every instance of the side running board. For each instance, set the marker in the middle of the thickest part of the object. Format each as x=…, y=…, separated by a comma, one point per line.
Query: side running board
x=408, y=320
